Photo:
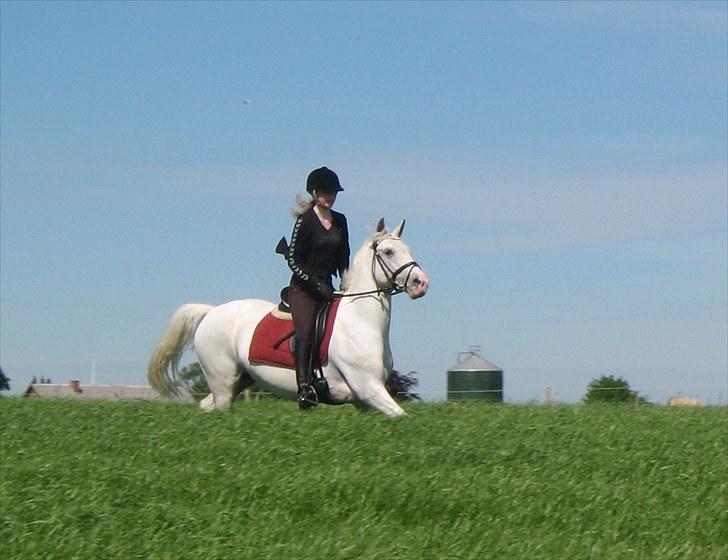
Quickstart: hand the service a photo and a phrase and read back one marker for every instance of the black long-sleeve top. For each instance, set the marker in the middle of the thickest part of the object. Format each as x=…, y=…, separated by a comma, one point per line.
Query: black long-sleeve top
x=315, y=254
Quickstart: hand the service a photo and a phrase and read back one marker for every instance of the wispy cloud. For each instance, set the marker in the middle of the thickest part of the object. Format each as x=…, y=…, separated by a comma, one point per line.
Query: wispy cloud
x=496, y=208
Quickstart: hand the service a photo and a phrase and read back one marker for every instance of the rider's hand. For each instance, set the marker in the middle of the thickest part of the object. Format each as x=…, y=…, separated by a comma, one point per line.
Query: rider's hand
x=324, y=291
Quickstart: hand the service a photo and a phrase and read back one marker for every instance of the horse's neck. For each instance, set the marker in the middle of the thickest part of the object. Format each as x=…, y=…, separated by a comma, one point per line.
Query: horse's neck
x=369, y=308
x=367, y=318
x=374, y=309
x=359, y=277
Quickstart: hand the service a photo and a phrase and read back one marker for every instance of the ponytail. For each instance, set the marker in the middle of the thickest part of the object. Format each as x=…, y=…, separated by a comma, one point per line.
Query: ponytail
x=302, y=206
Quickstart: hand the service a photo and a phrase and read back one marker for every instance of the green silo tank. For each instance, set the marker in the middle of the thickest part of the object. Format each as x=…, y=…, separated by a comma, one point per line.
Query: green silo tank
x=474, y=378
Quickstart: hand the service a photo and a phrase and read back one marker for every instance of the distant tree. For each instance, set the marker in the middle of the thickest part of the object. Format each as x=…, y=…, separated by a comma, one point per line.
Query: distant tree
x=4, y=381
x=610, y=389
x=194, y=378
x=400, y=385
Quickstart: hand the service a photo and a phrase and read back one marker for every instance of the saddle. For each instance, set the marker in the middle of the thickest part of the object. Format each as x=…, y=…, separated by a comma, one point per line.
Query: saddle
x=272, y=342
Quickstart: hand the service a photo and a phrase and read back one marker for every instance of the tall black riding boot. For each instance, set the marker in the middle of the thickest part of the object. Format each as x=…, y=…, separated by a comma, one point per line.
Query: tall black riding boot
x=306, y=394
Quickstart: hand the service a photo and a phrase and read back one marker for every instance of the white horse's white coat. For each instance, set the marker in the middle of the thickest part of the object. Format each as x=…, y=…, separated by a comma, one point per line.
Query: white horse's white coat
x=360, y=358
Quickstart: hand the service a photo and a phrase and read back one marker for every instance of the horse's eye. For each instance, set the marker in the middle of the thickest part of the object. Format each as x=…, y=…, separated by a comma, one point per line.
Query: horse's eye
x=388, y=252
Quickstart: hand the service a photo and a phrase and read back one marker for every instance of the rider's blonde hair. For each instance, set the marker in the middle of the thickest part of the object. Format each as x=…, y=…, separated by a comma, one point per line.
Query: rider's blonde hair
x=302, y=206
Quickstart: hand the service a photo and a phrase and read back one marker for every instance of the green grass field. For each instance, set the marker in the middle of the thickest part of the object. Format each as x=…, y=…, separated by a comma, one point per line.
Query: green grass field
x=101, y=480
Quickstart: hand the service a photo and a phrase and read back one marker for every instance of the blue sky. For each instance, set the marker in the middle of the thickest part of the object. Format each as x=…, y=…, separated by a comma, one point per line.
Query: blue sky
x=562, y=168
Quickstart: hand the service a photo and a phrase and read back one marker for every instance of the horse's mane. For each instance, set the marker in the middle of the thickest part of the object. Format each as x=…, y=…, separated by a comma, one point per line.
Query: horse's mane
x=361, y=259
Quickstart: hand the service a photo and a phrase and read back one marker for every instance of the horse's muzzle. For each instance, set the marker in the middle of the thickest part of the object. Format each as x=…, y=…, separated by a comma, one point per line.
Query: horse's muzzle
x=417, y=284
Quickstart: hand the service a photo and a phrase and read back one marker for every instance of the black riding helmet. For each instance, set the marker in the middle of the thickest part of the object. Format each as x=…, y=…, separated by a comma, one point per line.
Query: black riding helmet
x=323, y=180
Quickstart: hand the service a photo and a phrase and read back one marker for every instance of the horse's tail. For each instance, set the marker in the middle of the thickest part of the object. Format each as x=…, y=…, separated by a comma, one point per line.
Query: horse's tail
x=164, y=363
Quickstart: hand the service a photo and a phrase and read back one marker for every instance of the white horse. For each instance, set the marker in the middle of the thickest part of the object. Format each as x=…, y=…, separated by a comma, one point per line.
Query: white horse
x=360, y=357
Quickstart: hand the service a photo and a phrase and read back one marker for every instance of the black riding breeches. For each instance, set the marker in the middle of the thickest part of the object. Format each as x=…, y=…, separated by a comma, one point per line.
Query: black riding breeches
x=303, y=308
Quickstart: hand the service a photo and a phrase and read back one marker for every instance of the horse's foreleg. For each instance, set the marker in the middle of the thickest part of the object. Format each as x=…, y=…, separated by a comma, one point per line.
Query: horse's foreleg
x=379, y=398
x=370, y=393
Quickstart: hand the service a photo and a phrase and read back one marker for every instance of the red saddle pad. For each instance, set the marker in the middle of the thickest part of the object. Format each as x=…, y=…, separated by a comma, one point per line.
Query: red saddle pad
x=272, y=330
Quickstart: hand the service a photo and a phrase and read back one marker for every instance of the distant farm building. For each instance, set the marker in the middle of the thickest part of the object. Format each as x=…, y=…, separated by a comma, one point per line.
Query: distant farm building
x=684, y=401
x=74, y=390
x=474, y=378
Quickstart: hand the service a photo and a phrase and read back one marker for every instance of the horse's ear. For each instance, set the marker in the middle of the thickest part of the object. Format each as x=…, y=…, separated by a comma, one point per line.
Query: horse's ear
x=399, y=229
x=380, y=225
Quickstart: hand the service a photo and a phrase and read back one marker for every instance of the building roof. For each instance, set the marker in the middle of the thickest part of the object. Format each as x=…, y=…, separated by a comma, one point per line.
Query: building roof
x=104, y=392
x=474, y=362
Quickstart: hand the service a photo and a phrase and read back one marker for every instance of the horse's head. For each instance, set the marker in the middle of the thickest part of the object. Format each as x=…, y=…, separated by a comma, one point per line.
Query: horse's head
x=392, y=264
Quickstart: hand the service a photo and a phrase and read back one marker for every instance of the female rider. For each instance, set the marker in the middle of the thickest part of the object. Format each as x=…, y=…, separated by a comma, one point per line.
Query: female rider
x=319, y=249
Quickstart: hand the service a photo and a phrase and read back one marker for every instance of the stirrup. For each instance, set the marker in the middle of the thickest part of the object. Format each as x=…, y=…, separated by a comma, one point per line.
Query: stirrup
x=307, y=397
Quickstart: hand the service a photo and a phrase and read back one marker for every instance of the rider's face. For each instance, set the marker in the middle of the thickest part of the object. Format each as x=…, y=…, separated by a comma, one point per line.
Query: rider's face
x=324, y=199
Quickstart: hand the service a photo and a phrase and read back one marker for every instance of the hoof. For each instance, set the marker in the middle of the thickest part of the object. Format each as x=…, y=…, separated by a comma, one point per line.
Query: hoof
x=307, y=398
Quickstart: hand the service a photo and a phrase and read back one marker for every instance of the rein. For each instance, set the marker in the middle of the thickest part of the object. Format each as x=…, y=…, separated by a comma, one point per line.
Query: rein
x=391, y=275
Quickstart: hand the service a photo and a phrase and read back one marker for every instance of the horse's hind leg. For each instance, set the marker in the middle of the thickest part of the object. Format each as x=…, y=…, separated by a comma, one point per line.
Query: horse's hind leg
x=208, y=403
x=222, y=376
x=243, y=380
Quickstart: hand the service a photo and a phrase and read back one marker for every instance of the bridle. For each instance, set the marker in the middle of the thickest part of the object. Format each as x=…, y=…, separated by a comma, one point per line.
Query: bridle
x=391, y=275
